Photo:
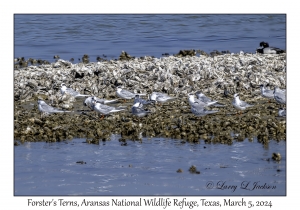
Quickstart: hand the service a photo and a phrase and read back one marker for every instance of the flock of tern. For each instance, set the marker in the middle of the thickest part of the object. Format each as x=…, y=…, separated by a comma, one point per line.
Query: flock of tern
x=198, y=105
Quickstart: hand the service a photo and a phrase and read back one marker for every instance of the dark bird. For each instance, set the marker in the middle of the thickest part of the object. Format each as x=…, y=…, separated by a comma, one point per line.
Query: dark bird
x=266, y=49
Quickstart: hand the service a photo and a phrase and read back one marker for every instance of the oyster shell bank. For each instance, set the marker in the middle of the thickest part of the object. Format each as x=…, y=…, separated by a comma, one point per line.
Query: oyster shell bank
x=218, y=77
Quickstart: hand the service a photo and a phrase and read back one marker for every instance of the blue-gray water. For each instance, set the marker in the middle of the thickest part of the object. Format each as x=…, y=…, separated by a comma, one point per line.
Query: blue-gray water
x=149, y=168
x=71, y=36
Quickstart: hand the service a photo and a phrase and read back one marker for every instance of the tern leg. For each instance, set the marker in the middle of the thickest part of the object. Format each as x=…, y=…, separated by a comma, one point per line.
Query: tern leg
x=238, y=113
x=43, y=115
x=135, y=119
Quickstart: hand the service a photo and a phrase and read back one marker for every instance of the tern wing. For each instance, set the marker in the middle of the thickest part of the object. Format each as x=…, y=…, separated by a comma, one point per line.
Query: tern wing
x=219, y=105
x=244, y=104
x=140, y=112
x=210, y=111
x=72, y=92
x=46, y=108
x=109, y=109
x=197, y=110
x=268, y=93
x=109, y=101
x=127, y=93
x=280, y=98
x=205, y=99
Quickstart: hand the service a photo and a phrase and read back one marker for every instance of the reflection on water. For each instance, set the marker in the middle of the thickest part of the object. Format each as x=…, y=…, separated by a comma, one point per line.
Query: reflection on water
x=148, y=168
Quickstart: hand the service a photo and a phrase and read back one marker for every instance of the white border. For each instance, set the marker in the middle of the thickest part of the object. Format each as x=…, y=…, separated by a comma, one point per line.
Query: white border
x=9, y=8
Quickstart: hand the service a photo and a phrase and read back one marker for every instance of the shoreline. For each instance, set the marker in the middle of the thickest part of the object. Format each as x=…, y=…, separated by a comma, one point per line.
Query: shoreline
x=176, y=76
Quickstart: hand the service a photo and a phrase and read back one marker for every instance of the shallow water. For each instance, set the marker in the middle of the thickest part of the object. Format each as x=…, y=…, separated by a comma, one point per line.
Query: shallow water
x=148, y=168
x=42, y=36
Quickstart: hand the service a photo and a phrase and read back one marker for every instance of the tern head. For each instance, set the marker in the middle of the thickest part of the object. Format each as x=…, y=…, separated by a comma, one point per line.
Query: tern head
x=63, y=88
x=262, y=87
x=88, y=100
x=137, y=96
x=191, y=98
x=119, y=88
x=93, y=100
x=236, y=95
x=199, y=93
x=191, y=95
x=153, y=96
x=137, y=104
x=40, y=101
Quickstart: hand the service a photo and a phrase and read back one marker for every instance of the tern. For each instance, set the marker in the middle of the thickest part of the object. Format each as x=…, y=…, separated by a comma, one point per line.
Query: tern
x=46, y=109
x=279, y=96
x=206, y=99
x=138, y=111
x=104, y=109
x=89, y=101
x=160, y=97
x=239, y=104
x=70, y=91
x=125, y=94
